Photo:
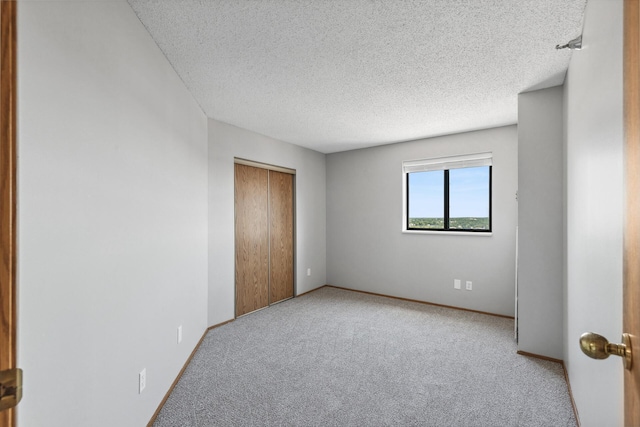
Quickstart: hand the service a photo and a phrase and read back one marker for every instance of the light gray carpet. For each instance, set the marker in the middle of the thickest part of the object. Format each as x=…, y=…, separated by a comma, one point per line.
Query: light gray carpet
x=340, y=358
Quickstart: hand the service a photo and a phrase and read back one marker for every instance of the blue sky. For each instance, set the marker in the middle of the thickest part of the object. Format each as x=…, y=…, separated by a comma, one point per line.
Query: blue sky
x=469, y=193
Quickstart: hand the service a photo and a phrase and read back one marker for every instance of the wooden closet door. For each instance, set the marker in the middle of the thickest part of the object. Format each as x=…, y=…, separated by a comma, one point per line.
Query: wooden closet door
x=281, y=235
x=252, y=238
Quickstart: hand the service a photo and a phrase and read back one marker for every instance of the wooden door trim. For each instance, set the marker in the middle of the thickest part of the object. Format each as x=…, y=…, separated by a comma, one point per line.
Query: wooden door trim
x=239, y=161
x=631, y=257
x=8, y=189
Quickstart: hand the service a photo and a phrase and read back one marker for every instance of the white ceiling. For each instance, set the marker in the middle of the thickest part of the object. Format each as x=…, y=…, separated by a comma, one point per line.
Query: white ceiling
x=337, y=75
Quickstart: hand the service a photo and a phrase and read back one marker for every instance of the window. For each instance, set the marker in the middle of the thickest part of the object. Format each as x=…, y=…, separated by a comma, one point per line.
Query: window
x=448, y=194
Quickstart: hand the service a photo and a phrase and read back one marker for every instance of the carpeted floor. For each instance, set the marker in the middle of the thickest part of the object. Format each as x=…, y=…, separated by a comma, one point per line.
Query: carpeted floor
x=341, y=358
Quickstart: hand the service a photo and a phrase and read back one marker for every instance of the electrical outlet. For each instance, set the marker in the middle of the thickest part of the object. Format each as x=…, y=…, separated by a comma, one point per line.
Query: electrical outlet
x=469, y=285
x=142, y=380
x=308, y=272
x=456, y=283
x=179, y=334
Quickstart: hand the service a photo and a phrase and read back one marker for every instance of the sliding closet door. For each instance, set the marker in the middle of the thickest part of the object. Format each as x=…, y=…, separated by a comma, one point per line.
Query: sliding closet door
x=281, y=235
x=252, y=238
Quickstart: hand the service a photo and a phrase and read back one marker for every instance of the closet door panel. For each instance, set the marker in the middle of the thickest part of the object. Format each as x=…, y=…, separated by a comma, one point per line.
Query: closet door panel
x=281, y=239
x=252, y=238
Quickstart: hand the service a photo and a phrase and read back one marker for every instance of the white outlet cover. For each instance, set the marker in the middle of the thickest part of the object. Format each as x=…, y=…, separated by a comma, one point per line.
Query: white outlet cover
x=142, y=380
x=308, y=272
x=179, y=334
x=469, y=285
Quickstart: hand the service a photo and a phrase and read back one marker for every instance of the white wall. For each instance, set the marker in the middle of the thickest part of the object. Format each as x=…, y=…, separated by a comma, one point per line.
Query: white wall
x=540, y=222
x=366, y=249
x=225, y=143
x=594, y=180
x=112, y=216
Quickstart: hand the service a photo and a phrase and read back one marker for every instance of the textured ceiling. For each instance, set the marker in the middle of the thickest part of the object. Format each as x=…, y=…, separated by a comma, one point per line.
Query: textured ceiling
x=339, y=75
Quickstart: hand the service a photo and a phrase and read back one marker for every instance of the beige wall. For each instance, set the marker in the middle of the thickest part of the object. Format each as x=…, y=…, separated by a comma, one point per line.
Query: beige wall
x=112, y=216
x=367, y=250
x=540, y=222
x=594, y=200
x=225, y=143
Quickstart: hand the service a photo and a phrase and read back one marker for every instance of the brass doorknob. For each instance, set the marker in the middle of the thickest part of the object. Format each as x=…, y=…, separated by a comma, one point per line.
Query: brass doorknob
x=598, y=347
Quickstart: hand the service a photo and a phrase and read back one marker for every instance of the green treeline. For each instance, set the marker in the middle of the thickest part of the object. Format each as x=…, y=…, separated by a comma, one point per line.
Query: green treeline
x=463, y=223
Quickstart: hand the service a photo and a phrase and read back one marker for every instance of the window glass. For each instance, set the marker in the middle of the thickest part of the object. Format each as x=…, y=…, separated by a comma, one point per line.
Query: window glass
x=469, y=198
x=456, y=199
x=426, y=200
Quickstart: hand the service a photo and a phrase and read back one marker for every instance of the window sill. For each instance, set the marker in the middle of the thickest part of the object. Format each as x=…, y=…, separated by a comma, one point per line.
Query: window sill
x=449, y=233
